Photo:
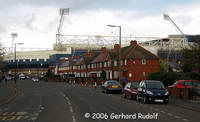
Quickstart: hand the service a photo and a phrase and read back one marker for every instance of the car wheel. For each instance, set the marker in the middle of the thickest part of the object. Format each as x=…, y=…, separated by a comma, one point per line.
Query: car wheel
x=137, y=98
x=145, y=100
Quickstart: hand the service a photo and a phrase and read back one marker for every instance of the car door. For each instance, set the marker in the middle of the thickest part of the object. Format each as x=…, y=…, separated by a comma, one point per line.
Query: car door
x=127, y=88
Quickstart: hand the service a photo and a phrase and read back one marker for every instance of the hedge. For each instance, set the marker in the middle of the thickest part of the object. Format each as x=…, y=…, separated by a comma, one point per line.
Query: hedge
x=168, y=78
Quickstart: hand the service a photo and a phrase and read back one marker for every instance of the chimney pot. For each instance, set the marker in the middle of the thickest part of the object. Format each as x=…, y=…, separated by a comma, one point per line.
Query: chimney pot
x=117, y=47
x=133, y=42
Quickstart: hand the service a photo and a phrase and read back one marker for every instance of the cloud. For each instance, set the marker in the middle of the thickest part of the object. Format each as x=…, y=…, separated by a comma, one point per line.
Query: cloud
x=2, y=29
x=36, y=21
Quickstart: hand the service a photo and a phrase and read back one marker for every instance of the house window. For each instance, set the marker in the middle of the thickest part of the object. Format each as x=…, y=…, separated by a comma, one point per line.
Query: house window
x=144, y=73
x=115, y=63
x=88, y=66
x=144, y=61
x=125, y=62
x=121, y=62
x=100, y=65
x=105, y=64
x=109, y=63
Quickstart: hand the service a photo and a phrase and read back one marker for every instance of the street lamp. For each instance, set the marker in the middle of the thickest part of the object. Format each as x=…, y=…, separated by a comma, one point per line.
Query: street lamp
x=15, y=78
x=120, y=34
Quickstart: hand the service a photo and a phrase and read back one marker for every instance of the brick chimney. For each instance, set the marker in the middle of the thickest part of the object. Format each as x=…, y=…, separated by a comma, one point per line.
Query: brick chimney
x=116, y=47
x=133, y=43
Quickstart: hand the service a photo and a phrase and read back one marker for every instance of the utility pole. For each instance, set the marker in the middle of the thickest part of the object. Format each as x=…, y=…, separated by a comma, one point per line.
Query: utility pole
x=120, y=44
x=15, y=76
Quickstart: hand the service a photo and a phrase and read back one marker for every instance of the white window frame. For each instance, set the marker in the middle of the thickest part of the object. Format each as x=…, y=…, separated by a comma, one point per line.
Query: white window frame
x=144, y=61
x=115, y=62
x=125, y=62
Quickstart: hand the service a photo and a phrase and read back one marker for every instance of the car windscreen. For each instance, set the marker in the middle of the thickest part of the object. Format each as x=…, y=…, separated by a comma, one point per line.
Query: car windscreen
x=154, y=85
x=134, y=85
x=113, y=83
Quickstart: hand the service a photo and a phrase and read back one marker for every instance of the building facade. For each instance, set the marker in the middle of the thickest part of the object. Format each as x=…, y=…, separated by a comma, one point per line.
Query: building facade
x=130, y=63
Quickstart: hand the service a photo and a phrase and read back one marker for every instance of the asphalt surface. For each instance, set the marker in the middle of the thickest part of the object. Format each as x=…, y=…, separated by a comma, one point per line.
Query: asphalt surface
x=61, y=102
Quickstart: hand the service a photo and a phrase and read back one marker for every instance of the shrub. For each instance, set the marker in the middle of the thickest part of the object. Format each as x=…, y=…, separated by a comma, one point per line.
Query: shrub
x=168, y=78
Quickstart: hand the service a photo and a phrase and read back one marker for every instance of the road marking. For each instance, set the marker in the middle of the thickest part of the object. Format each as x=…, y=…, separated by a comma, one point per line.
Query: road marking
x=163, y=112
x=170, y=114
x=66, y=98
x=177, y=117
x=68, y=102
x=12, y=113
x=21, y=113
x=41, y=108
x=33, y=118
x=73, y=118
x=71, y=109
x=18, y=118
x=185, y=120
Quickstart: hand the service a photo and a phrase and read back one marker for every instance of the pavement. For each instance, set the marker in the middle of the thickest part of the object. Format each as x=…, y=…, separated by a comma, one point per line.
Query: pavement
x=7, y=92
x=61, y=102
x=187, y=104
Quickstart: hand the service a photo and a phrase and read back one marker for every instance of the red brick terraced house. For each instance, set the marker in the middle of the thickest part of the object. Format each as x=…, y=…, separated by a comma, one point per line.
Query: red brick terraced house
x=136, y=63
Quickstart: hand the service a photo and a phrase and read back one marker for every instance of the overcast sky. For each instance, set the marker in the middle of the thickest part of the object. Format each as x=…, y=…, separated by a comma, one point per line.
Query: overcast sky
x=36, y=21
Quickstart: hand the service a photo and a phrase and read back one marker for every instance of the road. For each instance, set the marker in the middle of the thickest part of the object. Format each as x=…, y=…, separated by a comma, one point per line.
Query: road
x=61, y=102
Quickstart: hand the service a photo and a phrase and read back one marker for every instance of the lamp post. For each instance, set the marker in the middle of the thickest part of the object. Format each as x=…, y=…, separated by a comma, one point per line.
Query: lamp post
x=15, y=77
x=119, y=49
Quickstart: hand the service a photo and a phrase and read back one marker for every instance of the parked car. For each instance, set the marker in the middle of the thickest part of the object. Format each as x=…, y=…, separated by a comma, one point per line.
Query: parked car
x=184, y=83
x=131, y=90
x=152, y=91
x=8, y=77
x=195, y=88
x=111, y=86
x=22, y=77
x=35, y=79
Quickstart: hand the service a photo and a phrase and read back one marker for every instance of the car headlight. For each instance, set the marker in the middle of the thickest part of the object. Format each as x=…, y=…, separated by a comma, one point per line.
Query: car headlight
x=166, y=93
x=149, y=92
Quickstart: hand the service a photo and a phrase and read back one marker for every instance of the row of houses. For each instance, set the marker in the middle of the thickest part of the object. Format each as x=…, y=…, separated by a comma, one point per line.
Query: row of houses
x=131, y=63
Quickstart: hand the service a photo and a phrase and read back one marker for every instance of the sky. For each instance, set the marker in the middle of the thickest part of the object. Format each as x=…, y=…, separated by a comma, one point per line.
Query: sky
x=36, y=21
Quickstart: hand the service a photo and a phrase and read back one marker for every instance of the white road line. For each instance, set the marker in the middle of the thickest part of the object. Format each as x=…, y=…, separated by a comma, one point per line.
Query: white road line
x=71, y=109
x=73, y=118
x=33, y=118
x=68, y=102
x=66, y=98
x=12, y=113
x=178, y=117
x=21, y=113
x=163, y=112
x=170, y=114
x=185, y=120
x=18, y=118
